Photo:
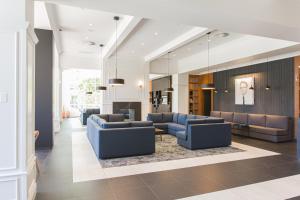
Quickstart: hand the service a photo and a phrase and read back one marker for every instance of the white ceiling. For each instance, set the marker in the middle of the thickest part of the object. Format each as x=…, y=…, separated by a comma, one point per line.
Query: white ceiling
x=82, y=26
x=89, y=23
x=269, y=18
x=150, y=35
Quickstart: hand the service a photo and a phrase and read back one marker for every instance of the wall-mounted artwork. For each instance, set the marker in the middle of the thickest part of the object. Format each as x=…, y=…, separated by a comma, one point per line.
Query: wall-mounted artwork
x=243, y=94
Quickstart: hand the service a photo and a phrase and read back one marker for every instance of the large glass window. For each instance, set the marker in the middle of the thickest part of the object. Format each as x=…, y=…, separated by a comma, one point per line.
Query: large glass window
x=79, y=90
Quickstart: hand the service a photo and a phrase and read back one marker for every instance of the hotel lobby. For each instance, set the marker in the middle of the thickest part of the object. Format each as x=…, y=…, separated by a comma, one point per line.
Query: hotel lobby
x=155, y=100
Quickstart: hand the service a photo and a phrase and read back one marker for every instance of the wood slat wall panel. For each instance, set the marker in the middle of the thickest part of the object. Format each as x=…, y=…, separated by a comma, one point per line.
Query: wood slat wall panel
x=279, y=100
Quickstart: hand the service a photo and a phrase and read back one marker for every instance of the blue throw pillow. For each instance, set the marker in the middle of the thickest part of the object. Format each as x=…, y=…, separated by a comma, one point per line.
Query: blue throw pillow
x=167, y=117
x=175, y=118
x=181, y=118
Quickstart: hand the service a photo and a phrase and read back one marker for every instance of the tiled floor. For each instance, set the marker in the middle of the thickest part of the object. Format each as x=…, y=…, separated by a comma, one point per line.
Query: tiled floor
x=56, y=178
x=86, y=165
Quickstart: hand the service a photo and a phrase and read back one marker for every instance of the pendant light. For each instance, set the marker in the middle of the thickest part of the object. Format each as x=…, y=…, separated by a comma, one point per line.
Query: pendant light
x=116, y=81
x=226, y=80
x=101, y=87
x=268, y=87
x=208, y=86
x=169, y=89
x=216, y=90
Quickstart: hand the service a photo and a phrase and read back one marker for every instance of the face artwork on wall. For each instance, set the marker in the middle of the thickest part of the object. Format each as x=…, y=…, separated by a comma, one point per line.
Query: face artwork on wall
x=243, y=94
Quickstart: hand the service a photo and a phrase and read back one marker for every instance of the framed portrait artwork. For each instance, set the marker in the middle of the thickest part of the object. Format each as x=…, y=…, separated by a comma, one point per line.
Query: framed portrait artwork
x=243, y=94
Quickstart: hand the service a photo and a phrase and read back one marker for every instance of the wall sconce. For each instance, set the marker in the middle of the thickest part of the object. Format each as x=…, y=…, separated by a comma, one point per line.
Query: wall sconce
x=140, y=84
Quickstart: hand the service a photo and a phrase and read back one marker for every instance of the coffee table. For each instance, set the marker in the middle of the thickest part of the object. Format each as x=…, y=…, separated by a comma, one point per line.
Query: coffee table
x=159, y=132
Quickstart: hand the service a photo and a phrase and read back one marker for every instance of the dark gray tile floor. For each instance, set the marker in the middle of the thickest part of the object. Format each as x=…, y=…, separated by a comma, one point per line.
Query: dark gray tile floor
x=55, y=179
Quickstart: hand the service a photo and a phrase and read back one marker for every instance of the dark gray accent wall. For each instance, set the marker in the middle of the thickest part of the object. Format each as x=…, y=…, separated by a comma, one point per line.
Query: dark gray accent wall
x=43, y=88
x=162, y=84
x=279, y=100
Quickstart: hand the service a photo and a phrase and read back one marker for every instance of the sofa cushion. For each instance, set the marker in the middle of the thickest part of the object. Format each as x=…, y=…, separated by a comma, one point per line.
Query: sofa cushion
x=141, y=123
x=267, y=130
x=181, y=118
x=257, y=119
x=99, y=120
x=201, y=117
x=116, y=118
x=196, y=121
x=115, y=125
x=175, y=117
x=215, y=113
x=212, y=120
x=276, y=121
x=181, y=135
x=191, y=117
x=240, y=118
x=155, y=117
x=176, y=127
x=227, y=116
x=167, y=117
x=103, y=116
x=163, y=126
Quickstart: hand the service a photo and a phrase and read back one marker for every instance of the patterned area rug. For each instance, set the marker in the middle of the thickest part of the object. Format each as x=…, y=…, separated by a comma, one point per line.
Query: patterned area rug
x=165, y=150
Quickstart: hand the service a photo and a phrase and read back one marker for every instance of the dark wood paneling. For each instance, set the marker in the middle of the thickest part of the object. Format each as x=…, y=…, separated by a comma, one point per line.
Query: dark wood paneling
x=278, y=101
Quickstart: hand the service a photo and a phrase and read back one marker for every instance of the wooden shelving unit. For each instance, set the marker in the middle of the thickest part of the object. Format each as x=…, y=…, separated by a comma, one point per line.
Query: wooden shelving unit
x=194, y=94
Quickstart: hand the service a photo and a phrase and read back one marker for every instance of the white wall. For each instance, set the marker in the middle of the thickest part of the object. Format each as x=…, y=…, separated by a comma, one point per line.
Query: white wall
x=132, y=70
x=17, y=159
x=180, y=97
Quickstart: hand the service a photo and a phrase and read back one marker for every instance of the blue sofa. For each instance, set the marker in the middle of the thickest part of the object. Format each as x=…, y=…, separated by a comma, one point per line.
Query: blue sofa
x=193, y=131
x=85, y=113
x=112, y=137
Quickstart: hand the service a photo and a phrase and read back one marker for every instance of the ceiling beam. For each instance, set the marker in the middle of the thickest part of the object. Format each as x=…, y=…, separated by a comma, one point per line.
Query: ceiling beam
x=51, y=13
x=126, y=26
x=181, y=40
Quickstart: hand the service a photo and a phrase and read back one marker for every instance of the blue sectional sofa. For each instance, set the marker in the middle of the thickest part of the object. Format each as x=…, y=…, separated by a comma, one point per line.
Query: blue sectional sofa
x=194, y=131
x=112, y=137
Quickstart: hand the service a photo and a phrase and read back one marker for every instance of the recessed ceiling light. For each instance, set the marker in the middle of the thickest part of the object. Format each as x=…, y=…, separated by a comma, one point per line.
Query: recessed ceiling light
x=86, y=37
x=90, y=24
x=221, y=35
x=143, y=44
x=156, y=33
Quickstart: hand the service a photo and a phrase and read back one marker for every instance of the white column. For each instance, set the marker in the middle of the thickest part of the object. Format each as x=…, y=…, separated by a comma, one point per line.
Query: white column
x=180, y=96
x=17, y=158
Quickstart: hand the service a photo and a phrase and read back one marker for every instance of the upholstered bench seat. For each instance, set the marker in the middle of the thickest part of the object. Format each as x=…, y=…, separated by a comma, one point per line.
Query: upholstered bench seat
x=273, y=128
x=267, y=130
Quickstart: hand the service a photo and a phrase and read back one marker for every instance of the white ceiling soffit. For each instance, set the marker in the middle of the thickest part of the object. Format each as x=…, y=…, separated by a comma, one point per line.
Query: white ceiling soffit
x=51, y=13
x=124, y=29
x=177, y=42
x=269, y=18
x=41, y=20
